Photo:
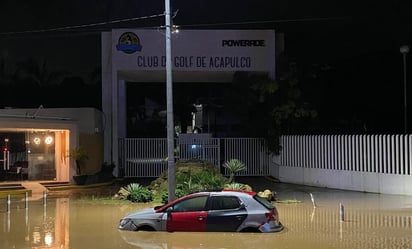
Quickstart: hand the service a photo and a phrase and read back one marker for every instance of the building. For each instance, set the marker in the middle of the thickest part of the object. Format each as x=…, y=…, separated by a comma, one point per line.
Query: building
x=129, y=56
x=132, y=56
x=36, y=143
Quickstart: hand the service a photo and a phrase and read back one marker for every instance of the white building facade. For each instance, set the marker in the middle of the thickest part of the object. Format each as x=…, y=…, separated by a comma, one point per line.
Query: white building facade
x=138, y=55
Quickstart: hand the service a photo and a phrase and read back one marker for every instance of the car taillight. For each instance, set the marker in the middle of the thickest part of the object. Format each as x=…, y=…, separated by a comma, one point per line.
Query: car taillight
x=273, y=215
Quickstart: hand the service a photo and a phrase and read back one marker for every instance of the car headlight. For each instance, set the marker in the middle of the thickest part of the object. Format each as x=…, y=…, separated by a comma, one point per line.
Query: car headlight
x=123, y=222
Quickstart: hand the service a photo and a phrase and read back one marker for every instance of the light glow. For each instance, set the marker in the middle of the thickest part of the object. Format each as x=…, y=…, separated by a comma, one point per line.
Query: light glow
x=48, y=140
x=48, y=239
x=36, y=140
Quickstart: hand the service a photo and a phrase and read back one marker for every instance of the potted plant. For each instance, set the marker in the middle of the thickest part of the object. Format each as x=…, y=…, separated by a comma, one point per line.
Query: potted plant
x=80, y=156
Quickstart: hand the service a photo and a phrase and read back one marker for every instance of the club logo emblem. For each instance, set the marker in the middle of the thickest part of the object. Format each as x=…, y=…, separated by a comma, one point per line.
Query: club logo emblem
x=129, y=43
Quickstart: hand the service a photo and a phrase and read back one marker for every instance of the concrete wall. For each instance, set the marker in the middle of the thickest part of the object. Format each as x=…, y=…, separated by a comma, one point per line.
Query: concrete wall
x=376, y=163
x=93, y=145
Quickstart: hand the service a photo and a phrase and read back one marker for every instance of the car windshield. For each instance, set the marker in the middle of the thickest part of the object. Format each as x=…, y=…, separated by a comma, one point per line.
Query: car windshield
x=264, y=202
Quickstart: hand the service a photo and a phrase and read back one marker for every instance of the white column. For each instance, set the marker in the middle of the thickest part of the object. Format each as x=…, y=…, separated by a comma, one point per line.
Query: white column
x=107, y=94
x=122, y=109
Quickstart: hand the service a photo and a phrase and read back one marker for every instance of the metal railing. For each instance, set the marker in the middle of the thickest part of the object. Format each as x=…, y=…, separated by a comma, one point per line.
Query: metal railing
x=146, y=157
x=387, y=154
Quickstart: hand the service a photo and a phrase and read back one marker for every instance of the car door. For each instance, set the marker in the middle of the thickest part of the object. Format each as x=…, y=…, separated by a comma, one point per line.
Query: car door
x=188, y=215
x=226, y=214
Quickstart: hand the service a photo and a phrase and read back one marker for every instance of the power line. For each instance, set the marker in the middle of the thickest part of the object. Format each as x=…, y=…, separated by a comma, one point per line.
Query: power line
x=265, y=21
x=82, y=26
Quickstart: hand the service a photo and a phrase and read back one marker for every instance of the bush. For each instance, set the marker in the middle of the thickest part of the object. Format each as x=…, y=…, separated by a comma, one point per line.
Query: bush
x=135, y=193
x=165, y=195
x=234, y=166
x=141, y=196
x=187, y=183
x=238, y=186
x=199, y=181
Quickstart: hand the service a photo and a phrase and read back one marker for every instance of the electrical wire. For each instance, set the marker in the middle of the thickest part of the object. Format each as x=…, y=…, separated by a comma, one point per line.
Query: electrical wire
x=198, y=25
x=265, y=21
x=82, y=26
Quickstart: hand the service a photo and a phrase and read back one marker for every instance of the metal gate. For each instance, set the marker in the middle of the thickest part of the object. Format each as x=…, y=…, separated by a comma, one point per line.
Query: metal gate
x=146, y=157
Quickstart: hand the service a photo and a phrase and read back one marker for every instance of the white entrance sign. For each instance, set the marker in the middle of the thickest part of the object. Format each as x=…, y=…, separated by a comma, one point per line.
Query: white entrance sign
x=195, y=50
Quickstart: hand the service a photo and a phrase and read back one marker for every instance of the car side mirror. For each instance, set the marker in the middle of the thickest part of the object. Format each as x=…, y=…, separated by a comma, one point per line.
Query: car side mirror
x=169, y=211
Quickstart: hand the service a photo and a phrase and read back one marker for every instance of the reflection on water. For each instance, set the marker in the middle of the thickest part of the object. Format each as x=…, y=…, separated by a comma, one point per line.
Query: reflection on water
x=38, y=226
x=366, y=228
x=72, y=223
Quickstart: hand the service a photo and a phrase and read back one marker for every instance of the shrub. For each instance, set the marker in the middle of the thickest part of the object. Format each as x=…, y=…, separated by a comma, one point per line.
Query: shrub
x=236, y=186
x=234, y=166
x=165, y=195
x=136, y=193
x=187, y=183
x=208, y=181
x=199, y=181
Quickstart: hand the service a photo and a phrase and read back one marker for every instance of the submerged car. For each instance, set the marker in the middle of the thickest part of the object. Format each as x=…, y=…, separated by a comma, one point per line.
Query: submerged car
x=217, y=211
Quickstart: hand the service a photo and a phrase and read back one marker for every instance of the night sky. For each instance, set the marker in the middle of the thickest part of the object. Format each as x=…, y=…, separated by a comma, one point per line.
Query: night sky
x=358, y=40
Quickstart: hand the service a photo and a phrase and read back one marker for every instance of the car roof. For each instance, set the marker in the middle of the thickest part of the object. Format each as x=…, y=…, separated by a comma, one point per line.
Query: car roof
x=222, y=192
x=214, y=193
x=251, y=193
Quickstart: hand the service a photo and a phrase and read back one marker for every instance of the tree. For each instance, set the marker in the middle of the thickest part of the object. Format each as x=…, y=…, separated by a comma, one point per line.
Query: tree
x=31, y=72
x=267, y=108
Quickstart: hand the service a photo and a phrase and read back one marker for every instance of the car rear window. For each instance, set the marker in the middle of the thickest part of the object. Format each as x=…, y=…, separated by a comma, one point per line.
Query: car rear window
x=267, y=204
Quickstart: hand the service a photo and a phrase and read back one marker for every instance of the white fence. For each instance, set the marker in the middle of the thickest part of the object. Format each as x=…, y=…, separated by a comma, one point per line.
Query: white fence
x=145, y=157
x=253, y=152
x=199, y=146
x=371, y=163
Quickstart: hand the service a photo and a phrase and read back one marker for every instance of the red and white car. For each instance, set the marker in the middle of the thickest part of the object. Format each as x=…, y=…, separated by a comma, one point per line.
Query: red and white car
x=219, y=211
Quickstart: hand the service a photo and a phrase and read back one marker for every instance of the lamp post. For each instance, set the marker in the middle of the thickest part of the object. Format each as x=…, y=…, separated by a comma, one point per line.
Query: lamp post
x=404, y=51
x=169, y=104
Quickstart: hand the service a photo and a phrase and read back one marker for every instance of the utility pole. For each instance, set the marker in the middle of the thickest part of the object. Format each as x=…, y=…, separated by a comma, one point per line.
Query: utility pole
x=405, y=50
x=169, y=110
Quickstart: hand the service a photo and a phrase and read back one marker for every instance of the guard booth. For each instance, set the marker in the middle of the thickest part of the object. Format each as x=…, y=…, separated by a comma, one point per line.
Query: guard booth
x=32, y=154
x=37, y=147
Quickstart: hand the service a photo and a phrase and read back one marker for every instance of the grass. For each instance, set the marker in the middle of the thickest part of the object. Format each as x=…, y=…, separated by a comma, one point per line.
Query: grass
x=14, y=193
x=107, y=200
x=102, y=200
x=292, y=201
x=70, y=187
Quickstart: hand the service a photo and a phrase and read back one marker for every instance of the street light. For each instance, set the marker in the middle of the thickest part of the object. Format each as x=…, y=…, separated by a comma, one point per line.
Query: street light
x=404, y=51
x=169, y=104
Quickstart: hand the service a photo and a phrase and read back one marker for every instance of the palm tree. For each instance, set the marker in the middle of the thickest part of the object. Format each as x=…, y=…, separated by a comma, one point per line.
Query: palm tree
x=36, y=73
x=234, y=166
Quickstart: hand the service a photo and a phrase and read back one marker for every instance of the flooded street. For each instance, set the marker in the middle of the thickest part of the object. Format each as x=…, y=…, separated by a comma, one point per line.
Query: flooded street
x=370, y=221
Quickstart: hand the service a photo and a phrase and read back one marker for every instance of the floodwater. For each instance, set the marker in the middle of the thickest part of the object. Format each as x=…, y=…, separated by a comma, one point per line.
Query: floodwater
x=369, y=221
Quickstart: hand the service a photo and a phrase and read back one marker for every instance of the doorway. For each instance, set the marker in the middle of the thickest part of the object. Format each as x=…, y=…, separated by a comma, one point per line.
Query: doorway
x=34, y=154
